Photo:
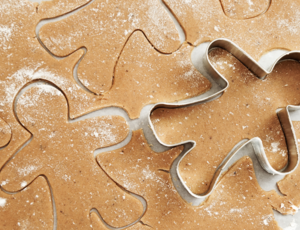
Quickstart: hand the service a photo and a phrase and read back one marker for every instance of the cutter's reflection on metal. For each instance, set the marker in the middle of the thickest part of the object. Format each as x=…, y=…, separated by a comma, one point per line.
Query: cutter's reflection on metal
x=283, y=115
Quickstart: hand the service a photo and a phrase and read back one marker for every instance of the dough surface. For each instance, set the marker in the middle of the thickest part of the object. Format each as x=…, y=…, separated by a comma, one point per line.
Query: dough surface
x=64, y=153
x=54, y=8
x=244, y=9
x=24, y=60
x=247, y=109
x=144, y=76
x=28, y=209
x=237, y=203
x=204, y=21
x=104, y=28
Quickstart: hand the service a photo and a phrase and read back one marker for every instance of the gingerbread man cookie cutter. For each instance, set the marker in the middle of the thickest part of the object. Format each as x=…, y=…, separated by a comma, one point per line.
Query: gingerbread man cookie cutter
x=284, y=115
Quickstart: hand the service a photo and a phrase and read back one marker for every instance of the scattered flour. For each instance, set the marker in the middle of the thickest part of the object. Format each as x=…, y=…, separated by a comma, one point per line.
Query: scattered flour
x=103, y=131
x=296, y=209
x=24, y=183
x=2, y=202
x=236, y=210
x=66, y=177
x=3, y=183
x=5, y=34
x=274, y=146
x=250, y=2
x=267, y=219
x=27, y=170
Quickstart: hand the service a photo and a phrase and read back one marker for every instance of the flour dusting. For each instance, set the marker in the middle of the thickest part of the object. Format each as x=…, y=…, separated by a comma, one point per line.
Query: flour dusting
x=2, y=202
x=27, y=170
x=23, y=184
x=275, y=147
x=5, y=36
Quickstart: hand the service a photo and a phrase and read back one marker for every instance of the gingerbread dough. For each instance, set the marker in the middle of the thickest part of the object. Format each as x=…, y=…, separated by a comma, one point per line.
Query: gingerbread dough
x=247, y=109
x=24, y=60
x=29, y=209
x=53, y=8
x=103, y=28
x=205, y=21
x=237, y=203
x=244, y=9
x=144, y=76
x=98, y=224
x=5, y=133
x=290, y=185
x=63, y=152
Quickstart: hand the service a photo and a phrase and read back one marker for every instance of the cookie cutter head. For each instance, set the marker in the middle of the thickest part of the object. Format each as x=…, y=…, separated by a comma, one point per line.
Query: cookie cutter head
x=283, y=115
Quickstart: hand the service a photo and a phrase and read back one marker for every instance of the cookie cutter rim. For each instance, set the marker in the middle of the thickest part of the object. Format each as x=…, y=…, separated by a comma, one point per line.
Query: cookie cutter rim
x=283, y=115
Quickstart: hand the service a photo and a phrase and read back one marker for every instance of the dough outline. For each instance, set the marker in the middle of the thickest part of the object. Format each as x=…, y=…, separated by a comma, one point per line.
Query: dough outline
x=6, y=143
x=36, y=84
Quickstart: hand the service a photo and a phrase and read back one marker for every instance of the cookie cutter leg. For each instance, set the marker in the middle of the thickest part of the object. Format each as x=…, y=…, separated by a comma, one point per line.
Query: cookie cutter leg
x=256, y=142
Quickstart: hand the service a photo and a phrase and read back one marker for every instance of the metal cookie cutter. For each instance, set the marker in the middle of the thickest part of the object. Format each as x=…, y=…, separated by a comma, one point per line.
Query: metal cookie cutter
x=284, y=115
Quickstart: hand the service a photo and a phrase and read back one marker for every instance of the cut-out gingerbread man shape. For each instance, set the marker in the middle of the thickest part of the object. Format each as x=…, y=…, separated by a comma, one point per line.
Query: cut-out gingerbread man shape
x=144, y=76
x=204, y=20
x=63, y=152
x=243, y=9
x=24, y=60
x=103, y=28
x=28, y=209
x=247, y=109
x=5, y=133
x=237, y=203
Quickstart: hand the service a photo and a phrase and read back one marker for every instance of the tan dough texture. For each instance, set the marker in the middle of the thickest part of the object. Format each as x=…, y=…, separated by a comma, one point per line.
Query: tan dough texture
x=144, y=76
x=247, y=109
x=63, y=152
x=5, y=133
x=24, y=60
x=205, y=21
x=290, y=185
x=237, y=203
x=97, y=224
x=53, y=8
x=103, y=28
x=243, y=9
x=29, y=209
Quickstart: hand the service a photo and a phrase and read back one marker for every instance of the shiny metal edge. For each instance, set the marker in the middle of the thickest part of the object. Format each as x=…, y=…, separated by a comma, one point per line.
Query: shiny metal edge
x=284, y=116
